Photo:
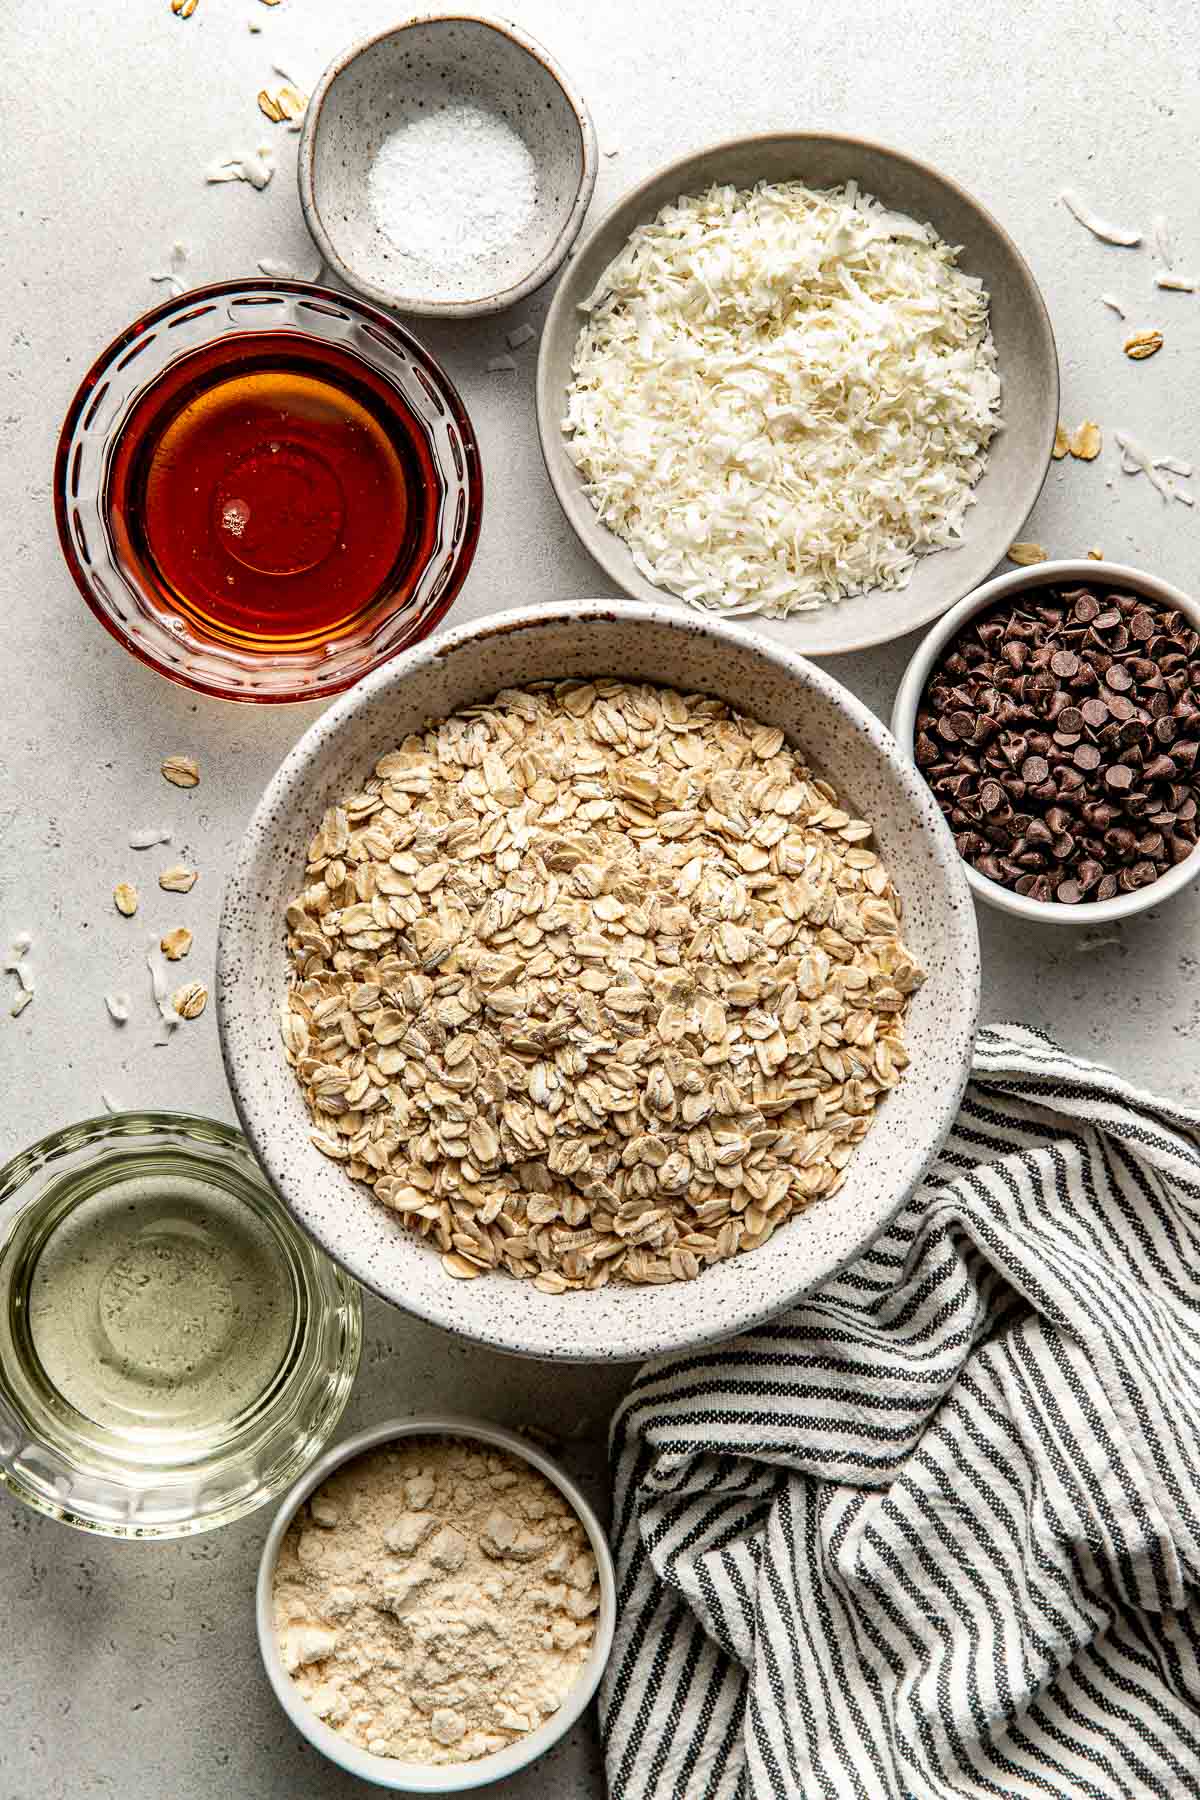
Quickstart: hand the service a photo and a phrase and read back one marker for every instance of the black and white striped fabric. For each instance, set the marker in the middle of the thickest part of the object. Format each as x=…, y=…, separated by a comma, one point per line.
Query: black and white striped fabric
x=937, y=1530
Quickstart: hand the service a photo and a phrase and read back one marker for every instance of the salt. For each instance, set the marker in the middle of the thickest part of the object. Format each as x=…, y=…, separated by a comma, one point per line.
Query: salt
x=453, y=187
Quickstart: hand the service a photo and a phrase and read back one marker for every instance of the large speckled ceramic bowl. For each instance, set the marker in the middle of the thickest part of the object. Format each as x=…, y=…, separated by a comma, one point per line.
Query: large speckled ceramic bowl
x=406, y=76
x=842, y=740
x=1028, y=365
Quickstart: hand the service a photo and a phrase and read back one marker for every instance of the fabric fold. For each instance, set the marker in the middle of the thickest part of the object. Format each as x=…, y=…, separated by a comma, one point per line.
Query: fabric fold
x=935, y=1531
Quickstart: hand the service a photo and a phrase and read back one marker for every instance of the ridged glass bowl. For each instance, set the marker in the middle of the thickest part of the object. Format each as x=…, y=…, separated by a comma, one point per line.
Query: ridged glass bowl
x=136, y=1478
x=176, y=644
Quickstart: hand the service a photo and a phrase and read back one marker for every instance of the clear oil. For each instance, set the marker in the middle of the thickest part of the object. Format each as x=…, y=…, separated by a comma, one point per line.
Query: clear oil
x=161, y=1305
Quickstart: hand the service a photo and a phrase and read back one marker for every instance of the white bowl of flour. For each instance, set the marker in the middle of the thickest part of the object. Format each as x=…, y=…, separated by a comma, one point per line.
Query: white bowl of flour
x=435, y=1604
x=446, y=165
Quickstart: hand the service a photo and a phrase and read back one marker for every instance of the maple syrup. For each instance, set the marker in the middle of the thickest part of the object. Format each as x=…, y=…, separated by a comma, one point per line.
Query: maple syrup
x=273, y=490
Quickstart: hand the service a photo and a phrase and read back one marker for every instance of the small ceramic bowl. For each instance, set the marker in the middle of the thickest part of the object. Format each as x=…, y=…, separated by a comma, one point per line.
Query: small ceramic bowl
x=405, y=77
x=696, y=654
x=912, y=686
x=422, y=1778
x=1028, y=365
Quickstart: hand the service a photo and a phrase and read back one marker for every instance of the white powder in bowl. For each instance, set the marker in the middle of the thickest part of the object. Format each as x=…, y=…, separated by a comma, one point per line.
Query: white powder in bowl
x=452, y=187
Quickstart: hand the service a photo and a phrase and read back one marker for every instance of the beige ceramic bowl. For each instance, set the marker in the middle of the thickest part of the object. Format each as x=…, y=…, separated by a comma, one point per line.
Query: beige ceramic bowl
x=1028, y=364
x=1010, y=587
x=646, y=643
x=407, y=74
x=422, y=1778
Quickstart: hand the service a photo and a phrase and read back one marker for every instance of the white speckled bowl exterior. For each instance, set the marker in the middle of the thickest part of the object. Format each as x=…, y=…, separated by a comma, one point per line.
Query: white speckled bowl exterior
x=407, y=73
x=842, y=740
x=1028, y=366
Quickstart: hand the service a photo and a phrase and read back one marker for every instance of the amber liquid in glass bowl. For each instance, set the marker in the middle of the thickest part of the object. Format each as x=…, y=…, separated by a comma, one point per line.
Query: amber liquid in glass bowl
x=270, y=491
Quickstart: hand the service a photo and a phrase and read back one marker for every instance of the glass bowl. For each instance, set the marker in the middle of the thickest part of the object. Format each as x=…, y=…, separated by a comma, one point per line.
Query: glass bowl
x=161, y=1434
x=195, y=651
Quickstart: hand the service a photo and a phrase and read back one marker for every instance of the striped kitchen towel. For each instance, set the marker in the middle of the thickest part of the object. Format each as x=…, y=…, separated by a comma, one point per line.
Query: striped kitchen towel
x=936, y=1531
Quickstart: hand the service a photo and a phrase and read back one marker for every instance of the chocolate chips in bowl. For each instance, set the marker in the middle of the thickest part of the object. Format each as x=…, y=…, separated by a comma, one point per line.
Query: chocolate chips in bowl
x=1056, y=716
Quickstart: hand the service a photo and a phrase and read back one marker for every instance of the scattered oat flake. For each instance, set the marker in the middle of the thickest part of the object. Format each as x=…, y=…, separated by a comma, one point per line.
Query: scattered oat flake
x=1026, y=554
x=19, y=946
x=1111, y=300
x=521, y=335
x=1110, y=234
x=181, y=771
x=1062, y=441
x=125, y=898
x=190, y=1000
x=286, y=104
x=23, y=999
x=178, y=879
x=1179, y=284
x=1086, y=441
x=1143, y=344
x=501, y=365
x=118, y=1007
x=254, y=166
x=176, y=943
x=152, y=835
x=1095, y=554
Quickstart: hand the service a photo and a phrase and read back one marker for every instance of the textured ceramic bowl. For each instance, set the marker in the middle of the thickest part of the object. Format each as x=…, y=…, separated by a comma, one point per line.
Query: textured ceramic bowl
x=908, y=698
x=420, y=1778
x=409, y=73
x=1028, y=364
x=586, y=638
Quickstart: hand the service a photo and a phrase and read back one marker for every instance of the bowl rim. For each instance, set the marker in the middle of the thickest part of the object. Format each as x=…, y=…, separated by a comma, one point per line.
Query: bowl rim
x=604, y=546
x=233, y=951
x=912, y=686
x=427, y=1778
x=183, y=303
x=424, y=306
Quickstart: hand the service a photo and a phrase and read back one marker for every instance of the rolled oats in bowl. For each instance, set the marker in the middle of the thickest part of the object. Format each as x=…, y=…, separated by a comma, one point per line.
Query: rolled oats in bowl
x=595, y=982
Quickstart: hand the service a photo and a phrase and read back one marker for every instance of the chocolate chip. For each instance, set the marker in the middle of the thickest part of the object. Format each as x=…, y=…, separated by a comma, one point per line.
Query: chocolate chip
x=1069, y=892
x=1070, y=719
x=1034, y=769
x=1086, y=608
x=1065, y=663
x=1119, y=777
x=1086, y=757
x=1095, y=713
x=1118, y=678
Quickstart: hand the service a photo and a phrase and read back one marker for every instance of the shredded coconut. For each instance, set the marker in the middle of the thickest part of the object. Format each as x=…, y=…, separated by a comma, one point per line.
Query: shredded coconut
x=452, y=187
x=1109, y=234
x=1137, y=460
x=435, y=1600
x=1112, y=301
x=782, y=397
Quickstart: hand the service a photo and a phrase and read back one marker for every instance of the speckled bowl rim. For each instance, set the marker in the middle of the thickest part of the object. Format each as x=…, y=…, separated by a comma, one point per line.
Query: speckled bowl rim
x=610, y=551
x=420, y=1778
x=912, y=685
x=235, y=951
x=423, y=305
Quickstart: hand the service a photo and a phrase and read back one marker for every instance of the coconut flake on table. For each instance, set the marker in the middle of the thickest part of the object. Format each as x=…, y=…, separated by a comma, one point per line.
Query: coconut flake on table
x=782, y=397
x=1112, y=301
x=1137, y=460
x=283, y=271
x=452, y=187
x=1109, y=234
x=521, y=335
x=253, y=166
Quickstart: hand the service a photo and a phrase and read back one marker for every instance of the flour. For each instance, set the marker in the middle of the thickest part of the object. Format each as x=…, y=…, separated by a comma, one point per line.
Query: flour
x=435, y=1600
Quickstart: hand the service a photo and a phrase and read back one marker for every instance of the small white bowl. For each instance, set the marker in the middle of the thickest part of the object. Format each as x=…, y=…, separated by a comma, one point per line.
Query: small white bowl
x=408, y=73
x=386, y=1771
x=912, y=686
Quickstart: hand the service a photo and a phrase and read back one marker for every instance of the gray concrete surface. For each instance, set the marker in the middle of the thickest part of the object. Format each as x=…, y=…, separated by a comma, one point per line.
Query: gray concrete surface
x=132, y=1671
